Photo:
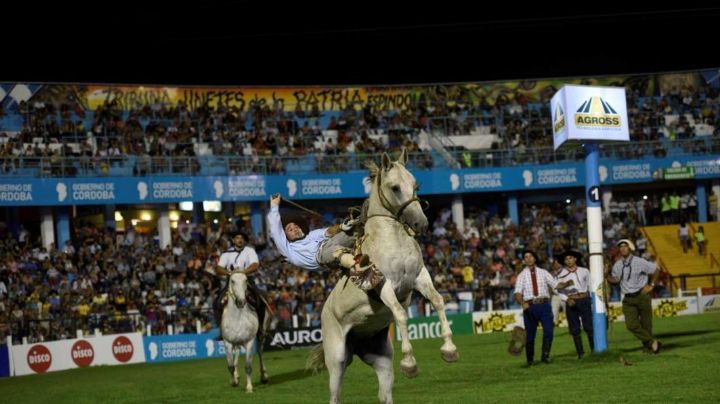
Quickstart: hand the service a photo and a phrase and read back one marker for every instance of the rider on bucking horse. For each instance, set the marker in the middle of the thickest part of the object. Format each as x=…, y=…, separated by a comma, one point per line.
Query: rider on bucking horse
x=331, y=247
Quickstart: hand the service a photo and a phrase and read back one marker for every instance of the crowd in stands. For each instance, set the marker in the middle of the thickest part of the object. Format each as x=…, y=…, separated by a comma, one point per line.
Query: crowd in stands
x=267, y=136
x=115, y=283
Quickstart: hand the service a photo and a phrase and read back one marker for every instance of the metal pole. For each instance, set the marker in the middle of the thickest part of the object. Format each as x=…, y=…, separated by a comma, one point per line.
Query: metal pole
x=594, y=221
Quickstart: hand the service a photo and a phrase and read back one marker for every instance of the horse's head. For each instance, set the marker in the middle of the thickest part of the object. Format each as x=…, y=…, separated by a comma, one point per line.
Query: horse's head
x=395, y=189
x=238, y=288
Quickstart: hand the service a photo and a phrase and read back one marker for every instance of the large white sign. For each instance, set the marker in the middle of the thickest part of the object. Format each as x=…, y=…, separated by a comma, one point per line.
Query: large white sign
x=51, y=356
x=585, y=113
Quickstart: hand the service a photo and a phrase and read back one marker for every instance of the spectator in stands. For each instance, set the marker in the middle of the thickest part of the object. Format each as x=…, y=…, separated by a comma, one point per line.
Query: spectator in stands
x=632, y=272
x=700, y=240
x=666, y=208
x=713, y=205
x=684, y=236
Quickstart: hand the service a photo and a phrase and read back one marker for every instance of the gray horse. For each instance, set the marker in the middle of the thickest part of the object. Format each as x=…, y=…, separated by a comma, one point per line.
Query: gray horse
x=239, y=328
x=355, y=322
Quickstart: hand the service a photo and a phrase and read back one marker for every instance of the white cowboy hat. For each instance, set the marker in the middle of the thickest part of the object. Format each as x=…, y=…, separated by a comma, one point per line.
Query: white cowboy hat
x=628, y=242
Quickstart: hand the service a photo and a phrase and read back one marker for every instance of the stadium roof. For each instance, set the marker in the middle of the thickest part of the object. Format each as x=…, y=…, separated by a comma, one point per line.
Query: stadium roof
x=272, y=43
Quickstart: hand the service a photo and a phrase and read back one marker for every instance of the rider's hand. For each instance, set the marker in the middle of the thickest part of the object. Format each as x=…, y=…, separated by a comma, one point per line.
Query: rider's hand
x=275, y=200
x=348, y=224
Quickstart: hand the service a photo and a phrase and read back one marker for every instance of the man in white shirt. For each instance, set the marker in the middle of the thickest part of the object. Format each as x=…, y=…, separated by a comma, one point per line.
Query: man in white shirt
x=577, y=299
x=328, y=247
x=532, y=293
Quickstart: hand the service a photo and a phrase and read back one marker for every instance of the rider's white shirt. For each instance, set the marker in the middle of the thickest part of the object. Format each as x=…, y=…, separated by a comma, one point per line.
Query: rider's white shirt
x=232, y=259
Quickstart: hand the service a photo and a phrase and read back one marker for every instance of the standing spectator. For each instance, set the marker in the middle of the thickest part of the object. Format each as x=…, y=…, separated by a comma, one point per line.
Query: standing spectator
x=675, y=207
x=666, y=209
x=640, y=243
x=692, y=211
x=713, y=205
x=700, y=240
x=640, y=208
x=684, y=236
x=532, y=293
x=577, y=299
x=556, y=302
x=631, y=273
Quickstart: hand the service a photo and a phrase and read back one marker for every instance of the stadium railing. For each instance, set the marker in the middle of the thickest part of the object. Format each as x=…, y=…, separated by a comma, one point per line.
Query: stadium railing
x=208, y=165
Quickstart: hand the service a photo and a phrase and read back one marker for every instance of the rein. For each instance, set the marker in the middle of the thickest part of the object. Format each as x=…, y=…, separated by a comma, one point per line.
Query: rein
x=297, y=205
x=230, y=295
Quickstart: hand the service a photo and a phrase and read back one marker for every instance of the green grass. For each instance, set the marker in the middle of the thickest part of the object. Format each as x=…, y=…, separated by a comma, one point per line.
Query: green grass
x=687, y=370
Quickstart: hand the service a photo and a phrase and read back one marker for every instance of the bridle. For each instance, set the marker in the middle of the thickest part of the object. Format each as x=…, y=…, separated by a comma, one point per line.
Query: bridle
x=396, y=213
x=230, y=293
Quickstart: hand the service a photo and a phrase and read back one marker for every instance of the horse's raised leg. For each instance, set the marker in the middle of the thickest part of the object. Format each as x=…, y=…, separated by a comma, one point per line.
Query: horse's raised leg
x=248, y=364
x=408, y=365
x=424, y=285
x=232, y=363
x=378, y=353
x=337, y=358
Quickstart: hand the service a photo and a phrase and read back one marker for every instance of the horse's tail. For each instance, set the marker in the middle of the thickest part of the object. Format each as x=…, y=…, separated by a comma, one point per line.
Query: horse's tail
x=316, y=359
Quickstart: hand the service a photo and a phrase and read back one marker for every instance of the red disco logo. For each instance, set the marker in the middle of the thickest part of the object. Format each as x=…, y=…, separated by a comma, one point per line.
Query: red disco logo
x=82, y=353
x=39, y=358
x=122, y=348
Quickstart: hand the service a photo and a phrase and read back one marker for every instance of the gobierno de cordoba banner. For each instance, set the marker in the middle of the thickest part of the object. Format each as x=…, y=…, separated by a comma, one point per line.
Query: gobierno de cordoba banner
x=141, y=190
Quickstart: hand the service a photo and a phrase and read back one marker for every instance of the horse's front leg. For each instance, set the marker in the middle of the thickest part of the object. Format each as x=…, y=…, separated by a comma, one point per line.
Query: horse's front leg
x=248, y=364
x=408, y=365
x=424, y=285
x=232, y=363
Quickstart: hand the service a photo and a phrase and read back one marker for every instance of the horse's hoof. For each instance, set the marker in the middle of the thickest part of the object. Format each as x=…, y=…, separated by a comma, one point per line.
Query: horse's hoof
x=264, y=380
x=409, y=371
x=450, y=357
x=249, y=391
x=234, y=384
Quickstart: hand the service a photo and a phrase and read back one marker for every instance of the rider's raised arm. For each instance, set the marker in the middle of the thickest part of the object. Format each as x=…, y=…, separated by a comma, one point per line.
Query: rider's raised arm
x=277, y=233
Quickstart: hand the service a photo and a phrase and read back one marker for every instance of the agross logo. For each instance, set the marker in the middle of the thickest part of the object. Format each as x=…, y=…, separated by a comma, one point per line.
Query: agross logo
x=122, y=349
x=82, y=353
x=39, y=358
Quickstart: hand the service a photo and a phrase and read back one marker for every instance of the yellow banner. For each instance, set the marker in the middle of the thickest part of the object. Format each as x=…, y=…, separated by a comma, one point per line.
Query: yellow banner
x=396, y=98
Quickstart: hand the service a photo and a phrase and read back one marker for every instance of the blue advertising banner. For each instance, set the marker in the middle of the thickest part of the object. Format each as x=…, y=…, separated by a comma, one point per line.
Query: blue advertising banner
x=134, y=190
x=164, y=348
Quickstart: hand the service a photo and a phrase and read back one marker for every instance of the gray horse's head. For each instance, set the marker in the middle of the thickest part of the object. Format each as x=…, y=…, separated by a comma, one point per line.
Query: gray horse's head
x=238, y=288
x=395, y=189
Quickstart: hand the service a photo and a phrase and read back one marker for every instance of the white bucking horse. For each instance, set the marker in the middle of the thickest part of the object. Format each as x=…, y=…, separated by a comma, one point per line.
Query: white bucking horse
x=355, y=322
x=239, y=328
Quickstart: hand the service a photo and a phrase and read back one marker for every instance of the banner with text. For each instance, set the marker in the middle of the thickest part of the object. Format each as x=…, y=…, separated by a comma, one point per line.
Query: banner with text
x=41, y=357
x=429, y=327
x=137, y=190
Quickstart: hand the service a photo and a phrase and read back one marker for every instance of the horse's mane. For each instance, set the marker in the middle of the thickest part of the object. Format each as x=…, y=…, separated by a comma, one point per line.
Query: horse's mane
x=373, y=169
